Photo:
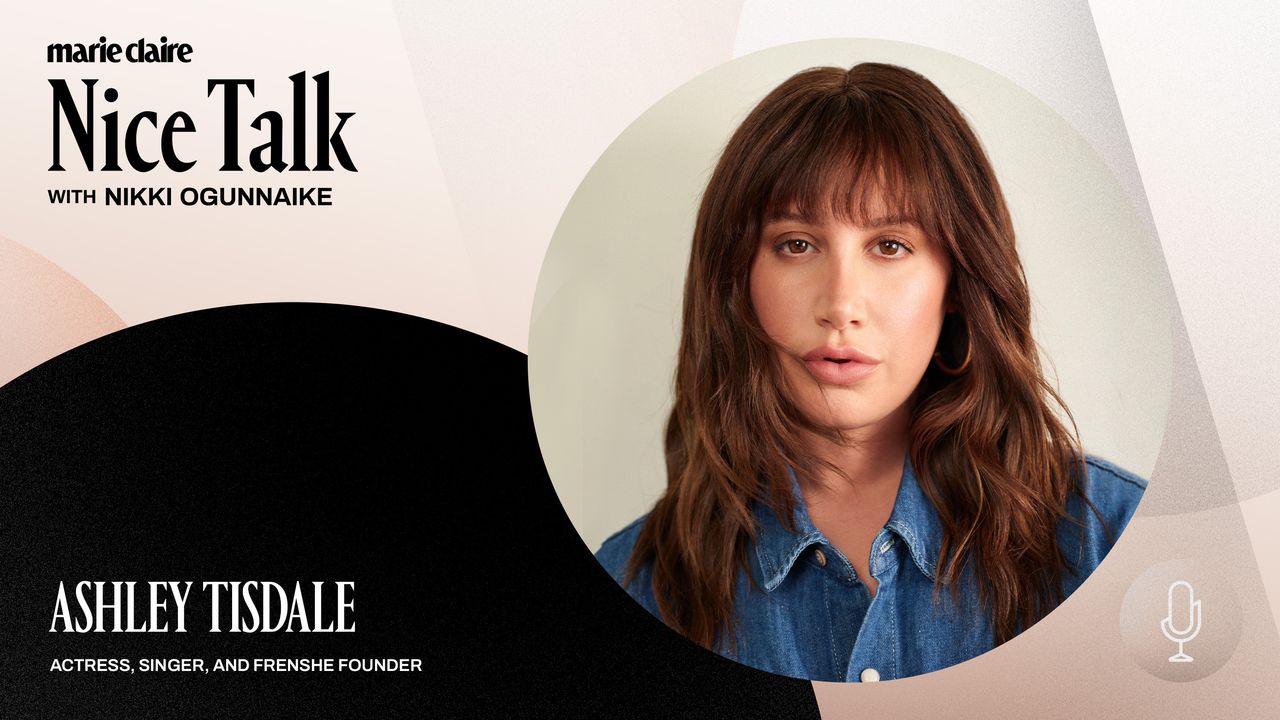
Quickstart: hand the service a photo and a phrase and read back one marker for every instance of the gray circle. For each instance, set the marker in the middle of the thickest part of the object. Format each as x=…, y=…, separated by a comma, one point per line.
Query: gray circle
x=1180, y=620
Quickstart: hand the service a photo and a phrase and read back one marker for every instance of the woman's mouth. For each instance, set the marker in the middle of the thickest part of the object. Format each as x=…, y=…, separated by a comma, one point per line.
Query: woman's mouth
x=839, y=366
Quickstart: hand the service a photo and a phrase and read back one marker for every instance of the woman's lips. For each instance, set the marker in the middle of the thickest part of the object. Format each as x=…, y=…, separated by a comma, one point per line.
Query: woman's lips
x=839, y=366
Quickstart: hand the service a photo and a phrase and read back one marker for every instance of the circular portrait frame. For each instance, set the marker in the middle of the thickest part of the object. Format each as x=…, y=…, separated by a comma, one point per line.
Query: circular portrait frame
x=605, y=327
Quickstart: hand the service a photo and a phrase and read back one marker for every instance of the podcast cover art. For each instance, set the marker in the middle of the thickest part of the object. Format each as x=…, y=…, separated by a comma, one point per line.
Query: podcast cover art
x=270, y=443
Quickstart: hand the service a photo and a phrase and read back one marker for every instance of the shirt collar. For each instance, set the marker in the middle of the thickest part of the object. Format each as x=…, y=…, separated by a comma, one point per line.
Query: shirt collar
x=916, y=521
x=913, y=519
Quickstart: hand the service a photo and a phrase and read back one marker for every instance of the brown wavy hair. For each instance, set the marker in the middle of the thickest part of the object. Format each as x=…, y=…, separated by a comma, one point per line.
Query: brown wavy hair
x=987, y=447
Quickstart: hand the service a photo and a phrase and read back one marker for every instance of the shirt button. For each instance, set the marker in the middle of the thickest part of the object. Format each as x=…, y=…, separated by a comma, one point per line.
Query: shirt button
x=870, y=675
x=821, y=557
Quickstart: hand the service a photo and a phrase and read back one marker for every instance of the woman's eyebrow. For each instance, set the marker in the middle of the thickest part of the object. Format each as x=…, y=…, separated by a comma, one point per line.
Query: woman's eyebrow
x=888, y=220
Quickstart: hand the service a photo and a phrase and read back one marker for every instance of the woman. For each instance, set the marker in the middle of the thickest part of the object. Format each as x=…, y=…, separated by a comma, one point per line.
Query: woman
x=867, y=478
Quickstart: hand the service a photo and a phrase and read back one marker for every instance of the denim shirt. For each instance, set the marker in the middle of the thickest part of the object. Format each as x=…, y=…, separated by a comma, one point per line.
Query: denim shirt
x=809, y=616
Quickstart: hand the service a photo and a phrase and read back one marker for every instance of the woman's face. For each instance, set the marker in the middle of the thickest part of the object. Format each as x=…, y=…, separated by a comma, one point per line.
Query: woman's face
x=855, y=312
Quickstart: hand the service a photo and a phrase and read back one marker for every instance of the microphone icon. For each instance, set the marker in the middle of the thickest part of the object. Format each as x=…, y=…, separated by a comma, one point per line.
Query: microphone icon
x=1187, y=634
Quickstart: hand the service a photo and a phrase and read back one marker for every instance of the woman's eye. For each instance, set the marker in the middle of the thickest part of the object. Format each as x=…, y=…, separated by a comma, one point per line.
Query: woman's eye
x=795, y=246
x=891, y=248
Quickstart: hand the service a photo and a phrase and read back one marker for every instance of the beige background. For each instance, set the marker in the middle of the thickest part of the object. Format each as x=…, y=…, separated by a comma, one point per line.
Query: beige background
x=455, y=205
x=605, y=321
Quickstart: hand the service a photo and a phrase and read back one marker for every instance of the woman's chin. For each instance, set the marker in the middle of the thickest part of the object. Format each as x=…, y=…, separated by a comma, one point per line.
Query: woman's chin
x=856, y=421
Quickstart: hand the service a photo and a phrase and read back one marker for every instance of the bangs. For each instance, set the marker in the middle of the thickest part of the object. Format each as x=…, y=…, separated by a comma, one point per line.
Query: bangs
x=845, y=158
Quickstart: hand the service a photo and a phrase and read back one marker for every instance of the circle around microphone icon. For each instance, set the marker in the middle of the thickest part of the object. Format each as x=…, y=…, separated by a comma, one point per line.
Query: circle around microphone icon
x=1187, y=601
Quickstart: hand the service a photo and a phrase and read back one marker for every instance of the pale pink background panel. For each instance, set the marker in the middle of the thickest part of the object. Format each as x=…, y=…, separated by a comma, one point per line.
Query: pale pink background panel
x=44, y=311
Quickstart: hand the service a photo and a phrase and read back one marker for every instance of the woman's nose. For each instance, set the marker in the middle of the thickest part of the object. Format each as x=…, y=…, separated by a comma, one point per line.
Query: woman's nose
x=843, y=303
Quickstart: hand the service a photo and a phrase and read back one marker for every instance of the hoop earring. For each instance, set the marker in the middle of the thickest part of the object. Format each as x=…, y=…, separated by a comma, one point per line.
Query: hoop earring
x=964, y=365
